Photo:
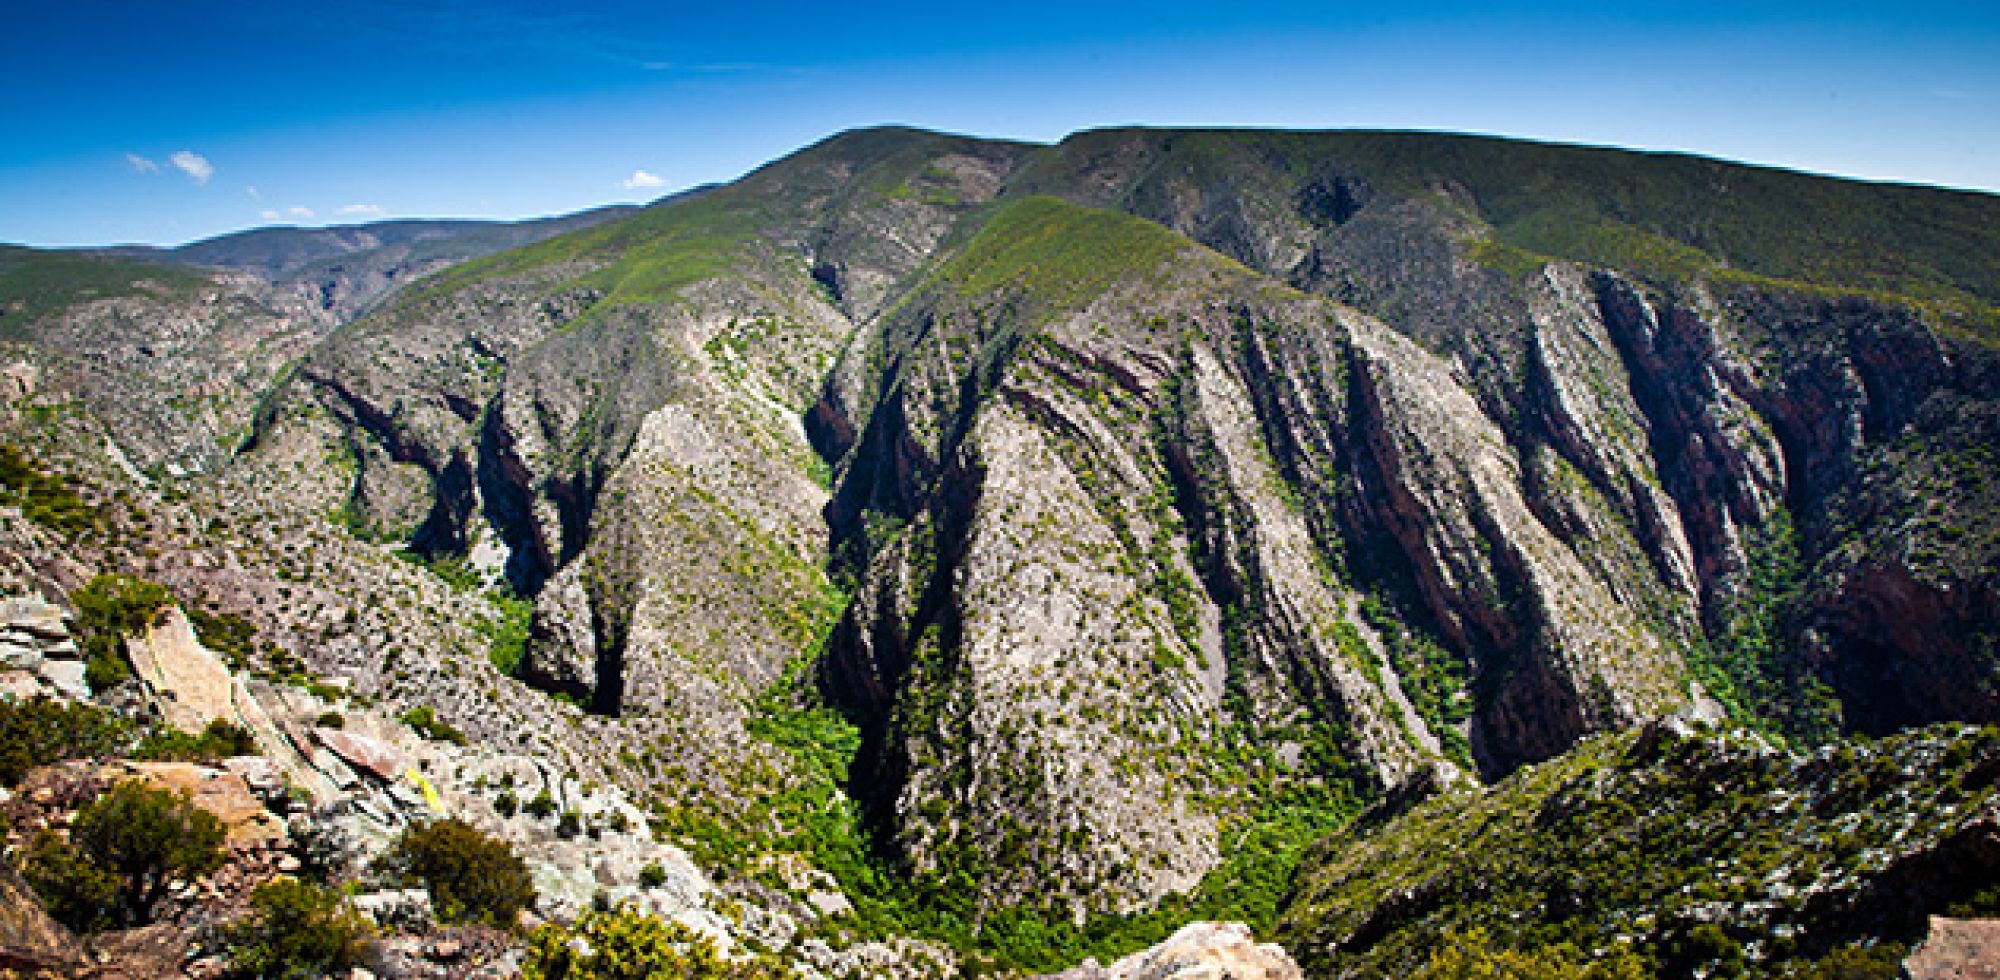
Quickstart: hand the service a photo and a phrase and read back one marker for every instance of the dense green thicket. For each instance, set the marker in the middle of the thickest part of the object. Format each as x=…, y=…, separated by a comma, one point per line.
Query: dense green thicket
x=41, y=730
x=1758, y=670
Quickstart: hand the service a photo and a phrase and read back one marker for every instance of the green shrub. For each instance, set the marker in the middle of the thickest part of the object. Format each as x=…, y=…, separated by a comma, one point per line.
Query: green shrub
x=143, y=839
x=625, y=944
x=542, y=805
x=423, y=718
x=296, y=929
x=229, y=635
x=652, y=876
x=472, y=877
x=40, y=730
x=108, y=609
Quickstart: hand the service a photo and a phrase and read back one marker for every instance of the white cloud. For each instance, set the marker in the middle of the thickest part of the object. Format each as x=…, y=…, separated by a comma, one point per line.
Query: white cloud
x=362, y=209
x=251, y=190
x=642, y=179
x=193, y=164
x=140, y=164
x=298, y=211
x=269, y=215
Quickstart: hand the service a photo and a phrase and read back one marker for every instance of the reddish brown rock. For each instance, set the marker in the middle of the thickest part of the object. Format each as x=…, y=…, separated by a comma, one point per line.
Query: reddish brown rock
x=371, y=755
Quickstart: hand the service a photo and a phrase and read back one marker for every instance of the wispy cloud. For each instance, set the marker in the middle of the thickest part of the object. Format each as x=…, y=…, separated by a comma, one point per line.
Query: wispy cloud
x=298, y=211
x=640, y=180
x=193, y=164
x=251, y=190
x=269, y=215
x=710, y=67
x=140, y=164
x=375, y=209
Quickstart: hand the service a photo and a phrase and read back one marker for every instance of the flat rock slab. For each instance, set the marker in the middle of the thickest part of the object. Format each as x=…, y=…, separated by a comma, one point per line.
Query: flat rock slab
x=218, y=791
x=1957, y=949
x=374, y=756
x=189, y=683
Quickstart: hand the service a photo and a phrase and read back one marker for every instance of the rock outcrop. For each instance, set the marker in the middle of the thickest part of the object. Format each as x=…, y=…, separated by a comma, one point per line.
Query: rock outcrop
x=37, y=653
x=1199, y=951
x=1956, y=949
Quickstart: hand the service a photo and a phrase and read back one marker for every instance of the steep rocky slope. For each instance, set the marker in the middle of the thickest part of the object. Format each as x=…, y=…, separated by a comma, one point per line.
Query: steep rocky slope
x=1086, y=511
x=1705, y=853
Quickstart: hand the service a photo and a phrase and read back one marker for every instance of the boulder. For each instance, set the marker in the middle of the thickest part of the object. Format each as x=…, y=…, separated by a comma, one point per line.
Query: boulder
x=379, y=758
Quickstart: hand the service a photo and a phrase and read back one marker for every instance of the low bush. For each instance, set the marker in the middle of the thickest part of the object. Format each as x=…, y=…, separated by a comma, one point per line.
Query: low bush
x=472, y=877
x=296, y=929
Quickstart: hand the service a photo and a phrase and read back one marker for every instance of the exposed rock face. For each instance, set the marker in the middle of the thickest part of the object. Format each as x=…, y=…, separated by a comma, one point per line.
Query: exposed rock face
x=1199, y=951
x=30, y=941
x=1957, y=949
x=37, y=654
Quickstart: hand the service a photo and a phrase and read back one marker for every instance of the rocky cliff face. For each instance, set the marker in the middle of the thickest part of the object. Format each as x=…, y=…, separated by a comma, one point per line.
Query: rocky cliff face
x=1120, y=493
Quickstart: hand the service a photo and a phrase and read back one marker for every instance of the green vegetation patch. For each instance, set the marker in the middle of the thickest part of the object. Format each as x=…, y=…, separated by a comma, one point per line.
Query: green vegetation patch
x=41, y=730
x=110, y=608
x=48, y=500
x=1058, y=254
x=36, y=283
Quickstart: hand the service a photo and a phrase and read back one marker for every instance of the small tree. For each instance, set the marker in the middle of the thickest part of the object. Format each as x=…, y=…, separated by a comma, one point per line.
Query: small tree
x=148, y=838
x=296, y=929
x=472, y=877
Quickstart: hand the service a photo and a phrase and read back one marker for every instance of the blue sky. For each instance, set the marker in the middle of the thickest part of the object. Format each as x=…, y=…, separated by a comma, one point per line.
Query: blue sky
x=168, y=122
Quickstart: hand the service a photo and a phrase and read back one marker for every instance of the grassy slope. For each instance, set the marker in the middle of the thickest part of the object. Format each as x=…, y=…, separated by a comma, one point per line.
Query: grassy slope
x=36, y=283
